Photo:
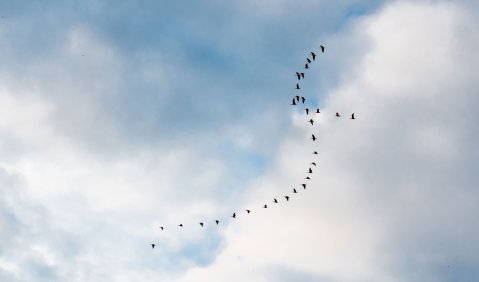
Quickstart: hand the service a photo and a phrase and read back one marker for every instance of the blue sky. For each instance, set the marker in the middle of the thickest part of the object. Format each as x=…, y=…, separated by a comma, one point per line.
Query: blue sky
x=118, y=117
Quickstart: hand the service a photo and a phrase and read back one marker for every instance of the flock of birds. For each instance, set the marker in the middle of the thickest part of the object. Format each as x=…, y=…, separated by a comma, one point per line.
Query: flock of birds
x=297, y=100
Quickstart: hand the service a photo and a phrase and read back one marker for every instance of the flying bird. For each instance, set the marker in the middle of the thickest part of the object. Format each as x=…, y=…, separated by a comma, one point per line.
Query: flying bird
x=265, y=207
x=304, y=186
x=181, y=225
x=287, y=198
x=307, y=111
x=310, y=170
x=294, y=190
x=303, y=99
x=306, y=66
x=297, y=86
x=309, y=61
x=297, y=98
x=322, y=48
x=317, y=111
x=298, y=75
x=161, y=227
x=313, y=55
x=311, y=121
x=152, y=246
x=315, y=152
x=201, y=223
x=307, y=177
x=313, y=163
x=302, y=74
x=248, y=211
x=294, y=103
x=217, y=222
x=313, y=137
x=352, y=116
x=275, y=201
x=234, y=215
x=337, y=114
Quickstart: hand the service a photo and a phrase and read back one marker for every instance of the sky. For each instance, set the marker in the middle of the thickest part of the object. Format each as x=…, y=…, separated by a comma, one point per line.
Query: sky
x=117, y=117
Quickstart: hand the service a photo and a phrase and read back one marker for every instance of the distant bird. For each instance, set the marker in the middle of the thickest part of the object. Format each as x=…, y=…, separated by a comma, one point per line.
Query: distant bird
x=309, y=61
x=313, y=137
x=307, y=177
x=234, y=215
x=201, y=223
x=337, y=114
x=297, y=86
x=275, y=201
x=313, y=55
x=307, y=111
x=152, y=246
x=248, y=211
x=322, y=48
x=294, y=190
x=302, y=74
x=304, y=186
x=298, y=75
x=313, y=163
x=297, y=98
x=310, y=170
x=303, y=99
x=265, y=207
x=287, y=198
x=294, y=103
x=306, y=66
x=315, y=153
x=217, y=222
x=352, y=116
x=317, y=111
x=181, y=225
x=311, y=121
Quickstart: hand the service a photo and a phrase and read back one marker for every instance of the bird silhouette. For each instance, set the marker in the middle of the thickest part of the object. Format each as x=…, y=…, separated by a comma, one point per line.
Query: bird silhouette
x=352, y=116
x=217, y=222
x=161, y=227
x=313, y=137
x=313, y=55
x=297, y=97
x=265, y=207
x=302, y=74
x=248, y=211
x=315, y=153
x=293, y=103
x=306, y=66
x=201, y=223
x=234, y=215
x=309, y=61
x=337, y=114
x=152, y=246
x=307, y=177
x=317, y=111
x=311, y=121
x=287, y=198
x=313, y=163
x=322, y=48
x=275, y=201
x=294, y=190
x=298, y=75
x=181, y=225
x=307, y=111
x=310, y=170
x=303, y=99
x=304, y=186
x=297, y=86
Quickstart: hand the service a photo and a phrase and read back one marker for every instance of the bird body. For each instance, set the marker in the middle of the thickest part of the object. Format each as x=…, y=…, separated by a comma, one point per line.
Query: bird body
x=293, y=103
x=313, y=55
x=309, y=61
x=234, y=215
x=313, y=137
x=311, y=121
x=317, y=111
x=248, y=211
x=352, y=116
x=303, y=99
x=322, y=48
x=338, y=115
x=313, y=163
x=287, y=198
x=265, y=207
x=297, y=86
x=304, y=186
x=275, y=201
x=310, y=170
x=201, y=223
x=152, y=246
x=217, y=222
x=298, y=75
x=294, y=191
x=161, y=227
x=306, y=66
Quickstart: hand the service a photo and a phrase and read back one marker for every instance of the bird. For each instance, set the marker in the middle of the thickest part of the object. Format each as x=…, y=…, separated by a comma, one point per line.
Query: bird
x=234, y=215
x=307, y=178
x=303, y=99
x=265, y=207
x=311, y=121
x=313, y=163
x=298, y=75
x=275, y=201
x=297, y=86
x=248, y=211
x=322, y=48
x=310, y=170
x=307, y=111
x=217, y=222
x=294, y=103
x=201, y=223
x=297, y=98
x=313, y=137
x=352, y=116
x=161, y=227
x=287, y=198
x=313, y=55
x=309, y=61
x=304, y=186
x=302, y=74
x=317, y=111
x=337, y=114
x=152, y=246
x=315, y=152
x=181, y=225
x=306, y=66
x=294, y=190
